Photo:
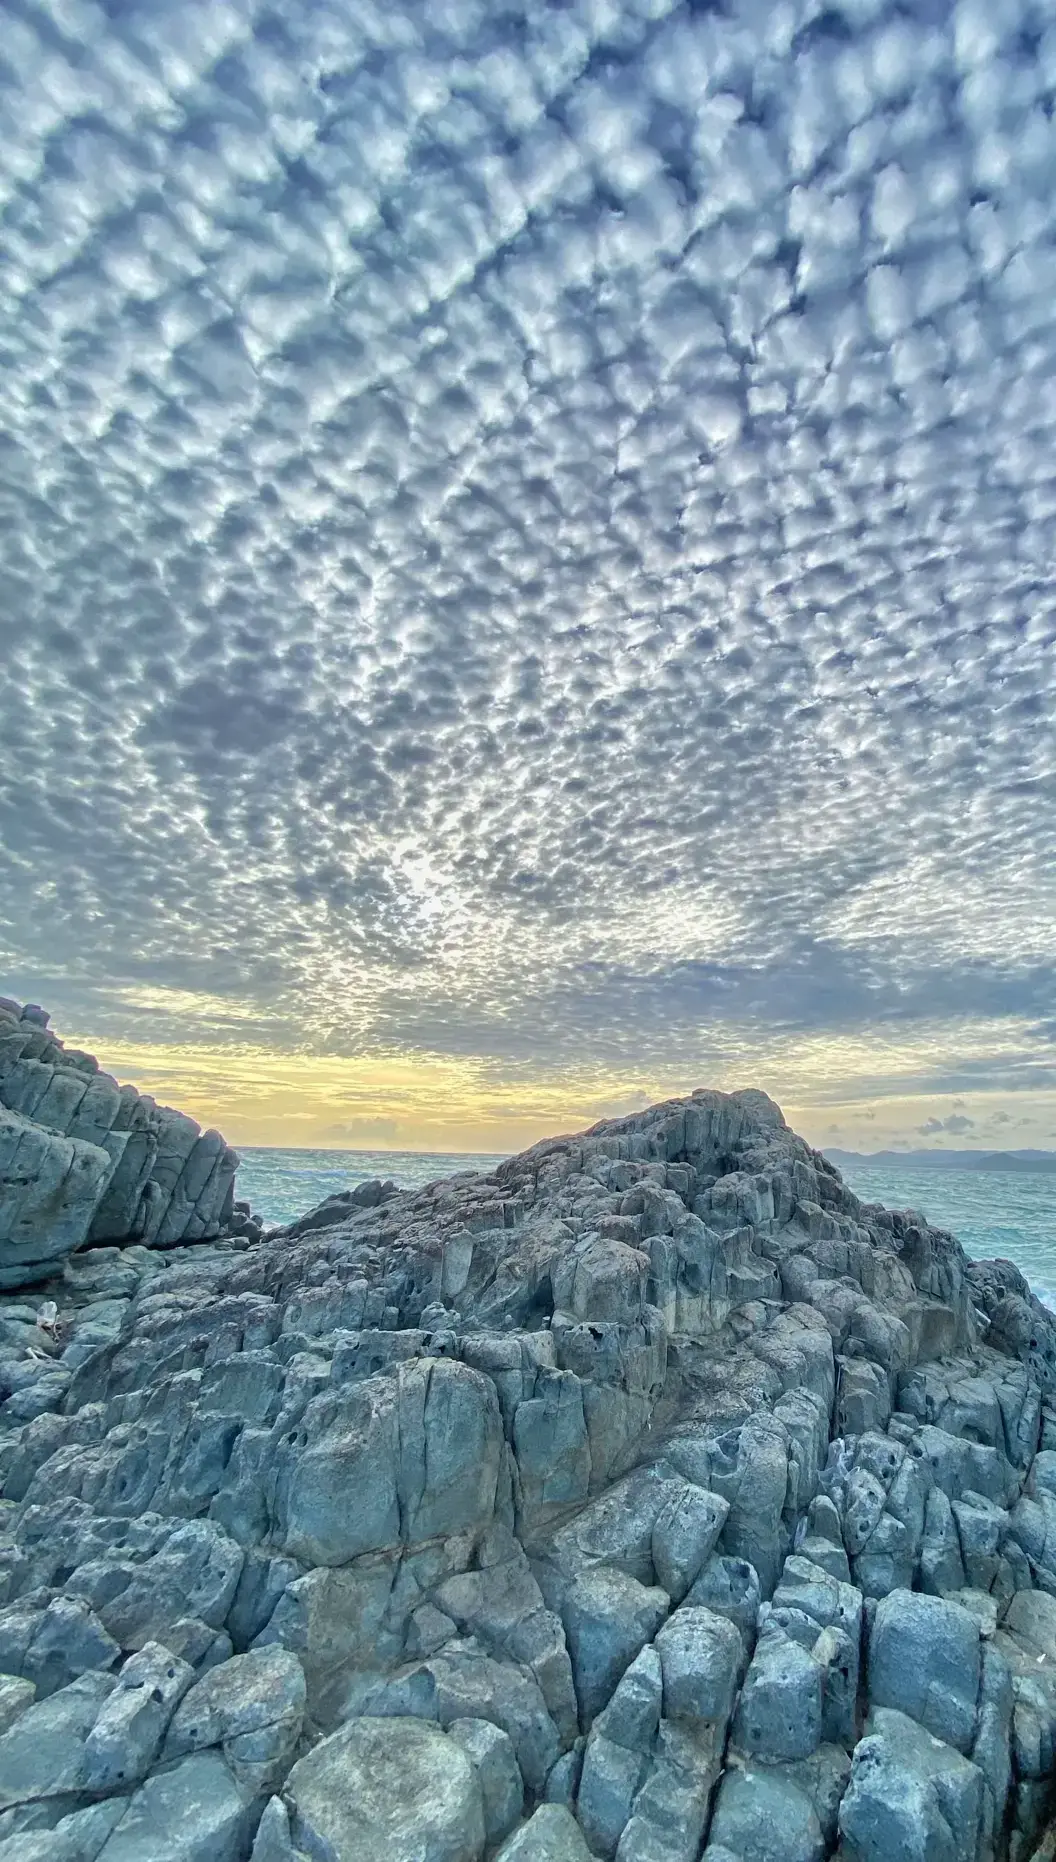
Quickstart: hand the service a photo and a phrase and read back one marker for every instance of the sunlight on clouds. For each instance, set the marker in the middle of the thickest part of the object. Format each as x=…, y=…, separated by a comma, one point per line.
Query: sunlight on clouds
x=537, y=583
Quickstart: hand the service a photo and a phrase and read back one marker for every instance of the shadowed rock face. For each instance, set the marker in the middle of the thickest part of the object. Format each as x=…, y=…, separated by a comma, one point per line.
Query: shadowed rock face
x=651, y=1490
x=85, y=1160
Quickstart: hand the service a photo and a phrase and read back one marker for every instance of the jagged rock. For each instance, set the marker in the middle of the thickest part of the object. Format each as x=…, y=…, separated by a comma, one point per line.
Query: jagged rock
x=911, y=1798
x=608, y=1618
x=50, y=1187
x=491, y=1753
x=779, y=1712
x=81, y=1158
x=786, y=1810
x=252, y=1708
x=578, y=1485
x=188, y=1812
x=129, y=1728
x=42, y=1755
x=550, y=1835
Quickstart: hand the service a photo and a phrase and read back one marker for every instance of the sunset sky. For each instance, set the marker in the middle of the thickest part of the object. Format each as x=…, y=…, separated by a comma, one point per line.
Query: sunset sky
x=528, y=553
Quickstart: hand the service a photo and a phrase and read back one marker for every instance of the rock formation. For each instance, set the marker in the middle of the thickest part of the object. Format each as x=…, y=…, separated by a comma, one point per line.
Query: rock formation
x=649, y=1499
x=85, y=1160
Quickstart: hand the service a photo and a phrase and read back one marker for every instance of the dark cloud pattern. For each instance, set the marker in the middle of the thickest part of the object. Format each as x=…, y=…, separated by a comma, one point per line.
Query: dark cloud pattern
x=527, y=530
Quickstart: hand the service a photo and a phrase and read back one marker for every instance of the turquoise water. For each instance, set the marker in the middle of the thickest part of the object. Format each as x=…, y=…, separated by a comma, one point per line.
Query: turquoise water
x=284, y=1184
x=992, y=1212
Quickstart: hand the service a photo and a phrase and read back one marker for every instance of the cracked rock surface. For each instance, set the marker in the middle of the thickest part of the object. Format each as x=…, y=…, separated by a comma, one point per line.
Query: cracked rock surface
x=651, y=1498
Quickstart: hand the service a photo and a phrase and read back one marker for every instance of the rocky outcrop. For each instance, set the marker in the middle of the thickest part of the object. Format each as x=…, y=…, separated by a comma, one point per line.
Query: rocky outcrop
x=649, y=1499
x=83, y=1160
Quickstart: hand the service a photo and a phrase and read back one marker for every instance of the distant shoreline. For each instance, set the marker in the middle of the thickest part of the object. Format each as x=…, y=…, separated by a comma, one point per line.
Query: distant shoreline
x=1016, y=1163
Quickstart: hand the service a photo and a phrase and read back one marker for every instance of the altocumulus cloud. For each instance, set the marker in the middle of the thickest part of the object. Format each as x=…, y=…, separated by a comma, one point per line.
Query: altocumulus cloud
x=527, y=530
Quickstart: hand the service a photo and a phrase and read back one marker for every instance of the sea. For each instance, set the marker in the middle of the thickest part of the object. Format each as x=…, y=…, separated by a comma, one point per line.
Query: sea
x=992, y=1212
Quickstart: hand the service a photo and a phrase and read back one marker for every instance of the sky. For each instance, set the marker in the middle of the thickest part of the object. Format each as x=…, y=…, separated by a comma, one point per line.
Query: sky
x=527, y=548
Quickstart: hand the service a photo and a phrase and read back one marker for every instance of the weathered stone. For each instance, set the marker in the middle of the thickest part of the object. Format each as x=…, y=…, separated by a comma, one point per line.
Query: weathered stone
x=398, y=1789
x=608, y=1618
x=507, y=1467
x=550, y=1835
x=252, y=1707
x=700, y=1658
x=491, y=1753
x=911, y=1798
x=191, y=1812
x=132, y=1722
x=43, y=1753
x=779, y=1713
x=924, y=1661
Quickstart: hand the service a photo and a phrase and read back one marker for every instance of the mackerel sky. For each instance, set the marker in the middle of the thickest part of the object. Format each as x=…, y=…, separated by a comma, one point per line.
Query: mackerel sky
x=528, y=551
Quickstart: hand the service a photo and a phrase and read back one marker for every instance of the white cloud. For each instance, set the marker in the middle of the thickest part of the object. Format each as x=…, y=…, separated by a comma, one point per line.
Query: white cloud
x=529, y=533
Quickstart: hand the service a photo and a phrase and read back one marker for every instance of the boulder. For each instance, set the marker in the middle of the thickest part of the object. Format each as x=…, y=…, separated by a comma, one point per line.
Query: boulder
x=252, y=1708
x=779, y=1713
x=924, y=1661
x=190, y=1812
x=911, y=1797
x=394, y=1788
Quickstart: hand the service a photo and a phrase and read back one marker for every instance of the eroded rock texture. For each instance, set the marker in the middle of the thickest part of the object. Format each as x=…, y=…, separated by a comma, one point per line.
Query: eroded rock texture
x=649, y=1499
x=83, y=1160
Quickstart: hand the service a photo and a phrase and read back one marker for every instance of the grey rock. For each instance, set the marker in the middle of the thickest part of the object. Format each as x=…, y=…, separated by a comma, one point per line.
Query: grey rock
x=78, y=1837
x=608, y=1617
x=132, y=1722
x=65, y=1639
x=621, y=1744
x=551, y=1834
x=562, y=1780
x=730, y=1587
x=924, y=1660
x=608, y=1786
x=502, y=1788
x=273, y=1842
x=779, y=1713
x=393, y=1788
x=531, y=1450
x=43, y=1753
x=684, y=1535
x=671, y=1809
x=253, y=1708
x=15, y=1696
x=941, y=1561
x=49, y=1188
x=911, y=1798
x=191, y=1812
x=700, y=1658
x=762, y=1813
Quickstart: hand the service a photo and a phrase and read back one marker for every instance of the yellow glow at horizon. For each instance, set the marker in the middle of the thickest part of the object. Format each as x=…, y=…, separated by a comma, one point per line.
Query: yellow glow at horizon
x=832, y=1092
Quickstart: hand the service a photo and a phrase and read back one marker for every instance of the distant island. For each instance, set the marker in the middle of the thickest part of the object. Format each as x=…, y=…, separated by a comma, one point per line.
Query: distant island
x=1018, y=1161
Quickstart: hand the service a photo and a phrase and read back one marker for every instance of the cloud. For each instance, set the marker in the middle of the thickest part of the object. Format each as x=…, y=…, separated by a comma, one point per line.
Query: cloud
x=527, y=536
x=957, y=1122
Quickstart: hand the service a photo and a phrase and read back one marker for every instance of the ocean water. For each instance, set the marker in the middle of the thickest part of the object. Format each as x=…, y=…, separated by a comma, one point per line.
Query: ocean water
x=283, y=1184
x=992, y=1212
